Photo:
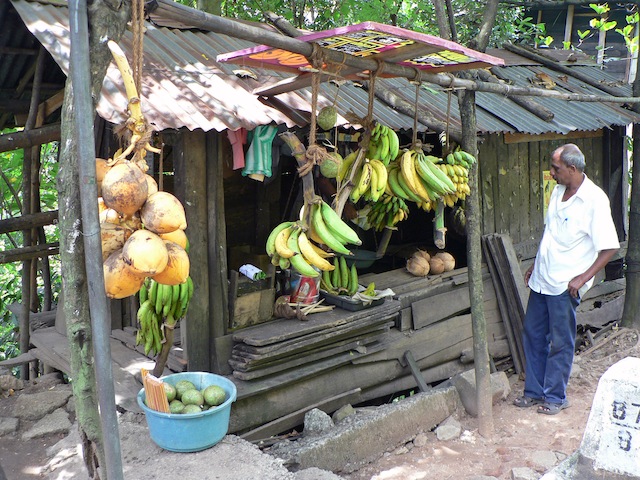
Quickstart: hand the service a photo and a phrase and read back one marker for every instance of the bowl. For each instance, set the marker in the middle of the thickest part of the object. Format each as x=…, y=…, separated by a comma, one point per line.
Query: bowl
x=195, y=431
x=362, y=258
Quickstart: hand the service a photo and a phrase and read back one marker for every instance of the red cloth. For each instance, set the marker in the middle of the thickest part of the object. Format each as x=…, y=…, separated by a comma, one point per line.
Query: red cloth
x=238, y=139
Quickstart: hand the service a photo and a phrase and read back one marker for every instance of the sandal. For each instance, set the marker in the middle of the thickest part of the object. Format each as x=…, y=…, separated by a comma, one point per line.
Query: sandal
x=526, y=402
x=552, y=408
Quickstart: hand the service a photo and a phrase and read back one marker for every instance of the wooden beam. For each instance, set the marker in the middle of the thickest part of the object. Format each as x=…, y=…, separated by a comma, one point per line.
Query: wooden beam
x=526, y=137
x=32, y=220
x=30, y=138
x=28, y=253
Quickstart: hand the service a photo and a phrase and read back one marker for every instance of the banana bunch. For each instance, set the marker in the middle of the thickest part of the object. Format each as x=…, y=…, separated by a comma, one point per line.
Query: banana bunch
x=291, y=244
x=370, y=182
x=387, y=212
x=459, y=176
x=342, y=280
x=460, y=157
x=384, y=144
x=415, y=177
x=159, y=305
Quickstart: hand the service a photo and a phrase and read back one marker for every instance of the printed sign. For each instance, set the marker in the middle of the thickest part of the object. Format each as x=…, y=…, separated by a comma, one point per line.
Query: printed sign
x=374, y=40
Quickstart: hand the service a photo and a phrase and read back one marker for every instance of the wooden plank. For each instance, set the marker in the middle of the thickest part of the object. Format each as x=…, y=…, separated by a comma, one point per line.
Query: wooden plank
x=299, y=344
x=522, y=201
x=293, y=419
x=311, y=369
x=514, y=266
x=20, y=359
x=534, y=214
x=294, y=364
x=527, y=137
x=502, y=306
x=487, y=181
x=284, y=329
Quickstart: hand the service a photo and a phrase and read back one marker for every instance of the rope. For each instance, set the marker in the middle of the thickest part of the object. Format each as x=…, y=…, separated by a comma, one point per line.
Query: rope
x=414, y=138
x=315, y=153
x=448, y=119
x=137, y=27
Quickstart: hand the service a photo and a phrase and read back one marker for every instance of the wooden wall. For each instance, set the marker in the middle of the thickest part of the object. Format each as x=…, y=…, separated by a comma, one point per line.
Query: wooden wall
x=511, y=169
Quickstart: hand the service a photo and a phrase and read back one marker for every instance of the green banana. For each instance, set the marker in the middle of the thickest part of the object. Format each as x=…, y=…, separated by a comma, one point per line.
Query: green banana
x=336, y=225
x=326, y=278
x=335, y=274
x=143, y=293
x=325, y=235
x=159, y=298
x=344, y=273
x=394, y=145
x=153, y=291
x=353, y=280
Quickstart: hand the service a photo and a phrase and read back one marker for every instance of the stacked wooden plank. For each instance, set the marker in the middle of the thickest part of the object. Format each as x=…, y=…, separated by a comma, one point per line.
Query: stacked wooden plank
x=295, y=348
x=511, y=292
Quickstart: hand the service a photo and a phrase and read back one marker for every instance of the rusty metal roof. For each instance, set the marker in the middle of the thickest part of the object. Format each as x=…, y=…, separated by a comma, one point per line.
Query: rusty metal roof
x=184, y=87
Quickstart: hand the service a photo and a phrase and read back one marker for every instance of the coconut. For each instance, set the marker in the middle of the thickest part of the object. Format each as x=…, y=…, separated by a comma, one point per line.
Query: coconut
x=119, y=280
x=418, y=265
x=145, y=252
x=102, y=168
x=436, y=265
x=109, y=215
x=327, y=118
x=124, y=188
x=152, y=185
x=134, y=222
x=112, y=238
x=163, y=213
x=331, y=164
x=448, y=260
x=177, y=236
x=177, y=270
x=423, y=253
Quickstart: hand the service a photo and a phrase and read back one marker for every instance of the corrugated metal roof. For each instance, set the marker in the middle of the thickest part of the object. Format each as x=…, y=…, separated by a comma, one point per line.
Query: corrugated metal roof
x=183, y=86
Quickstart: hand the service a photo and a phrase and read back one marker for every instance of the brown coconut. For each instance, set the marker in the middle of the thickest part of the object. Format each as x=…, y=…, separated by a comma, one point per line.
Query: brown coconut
x=177, y=236
x=134, y=222
x=151, y=184
x=145, y=253
x=119, y=280
x=423, y=253
x=177, y=270
x=109, y=215
x=163, y=213
x=436, y=265
x=418, y=265
x=113, y=238
x=124, y=188
x=448, y=260
x=101, y=169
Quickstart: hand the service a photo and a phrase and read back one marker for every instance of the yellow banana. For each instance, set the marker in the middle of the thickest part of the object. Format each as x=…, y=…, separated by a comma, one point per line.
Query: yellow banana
x=321, y=252
x=382, y=177
x=408, y=169
x=271, y=240
x=310, y=255
x=298, y=260
x=281, y=244
x=365, y=179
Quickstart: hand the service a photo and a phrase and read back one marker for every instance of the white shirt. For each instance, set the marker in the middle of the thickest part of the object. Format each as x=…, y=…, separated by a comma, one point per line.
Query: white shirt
x=575, y=231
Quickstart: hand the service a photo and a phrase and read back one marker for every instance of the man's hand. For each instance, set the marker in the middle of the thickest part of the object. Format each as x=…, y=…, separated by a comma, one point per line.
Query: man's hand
x=527, y=274
x=576, y=284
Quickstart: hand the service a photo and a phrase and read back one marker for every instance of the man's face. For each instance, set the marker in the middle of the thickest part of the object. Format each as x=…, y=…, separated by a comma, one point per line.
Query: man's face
x=560, y=171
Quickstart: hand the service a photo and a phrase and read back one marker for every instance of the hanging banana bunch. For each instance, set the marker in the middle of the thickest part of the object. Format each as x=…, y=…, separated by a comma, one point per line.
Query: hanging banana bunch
x=160, y=306
x=294, y=244
x=387, y=212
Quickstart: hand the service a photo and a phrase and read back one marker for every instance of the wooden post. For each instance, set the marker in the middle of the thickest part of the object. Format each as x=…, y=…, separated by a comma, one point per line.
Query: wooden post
x=191, y=188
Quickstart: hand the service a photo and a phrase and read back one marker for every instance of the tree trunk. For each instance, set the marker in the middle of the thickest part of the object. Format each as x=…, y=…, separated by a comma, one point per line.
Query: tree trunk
x=631, y=312
x=107, y=20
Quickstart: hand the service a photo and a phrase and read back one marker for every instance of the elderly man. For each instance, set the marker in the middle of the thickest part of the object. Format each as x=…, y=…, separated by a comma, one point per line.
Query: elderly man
x=579, y=240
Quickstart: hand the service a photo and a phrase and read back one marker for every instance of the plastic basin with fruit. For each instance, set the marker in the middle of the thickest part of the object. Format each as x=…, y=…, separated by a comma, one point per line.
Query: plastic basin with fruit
x=200, y=405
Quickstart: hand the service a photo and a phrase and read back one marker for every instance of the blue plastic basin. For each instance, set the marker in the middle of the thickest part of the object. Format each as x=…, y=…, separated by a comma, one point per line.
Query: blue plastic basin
x=196, y=431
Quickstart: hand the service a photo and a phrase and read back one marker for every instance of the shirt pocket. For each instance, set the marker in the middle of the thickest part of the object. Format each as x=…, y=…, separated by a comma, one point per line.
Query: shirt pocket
x=571, y=230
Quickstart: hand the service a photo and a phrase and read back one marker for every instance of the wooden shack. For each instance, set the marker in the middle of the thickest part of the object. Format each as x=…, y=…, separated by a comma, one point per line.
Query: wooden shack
x=284, y=367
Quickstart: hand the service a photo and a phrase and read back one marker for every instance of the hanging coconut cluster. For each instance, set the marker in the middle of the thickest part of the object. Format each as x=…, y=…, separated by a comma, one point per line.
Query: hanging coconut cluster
x=142, y=231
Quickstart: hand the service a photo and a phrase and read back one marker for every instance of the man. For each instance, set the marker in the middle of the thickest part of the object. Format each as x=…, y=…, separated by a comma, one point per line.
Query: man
x=579, y=240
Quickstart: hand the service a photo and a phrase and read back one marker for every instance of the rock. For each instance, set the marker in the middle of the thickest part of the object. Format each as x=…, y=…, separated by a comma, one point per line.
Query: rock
x=483, y=477
x=401, y=450
x=48, y=381
x=421, y=440
x=450, y=429
x=465, y=384
x=314, y=473
x=544, y=459
x=8, y=425
x=33, y=406
x=9, y=382
x=524, y=473
x=317, y=422
x=576, y=370
x=342, y=413
x=56, y=422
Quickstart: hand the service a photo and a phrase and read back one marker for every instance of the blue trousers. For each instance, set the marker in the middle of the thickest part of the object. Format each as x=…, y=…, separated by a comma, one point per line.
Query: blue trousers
x=549, y=338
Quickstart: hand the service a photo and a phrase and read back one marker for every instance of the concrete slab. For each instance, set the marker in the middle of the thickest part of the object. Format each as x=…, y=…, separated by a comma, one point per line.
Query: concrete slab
x=610, y=446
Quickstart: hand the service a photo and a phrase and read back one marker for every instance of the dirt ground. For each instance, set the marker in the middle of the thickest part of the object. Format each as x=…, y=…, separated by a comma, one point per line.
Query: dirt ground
x=519, y=434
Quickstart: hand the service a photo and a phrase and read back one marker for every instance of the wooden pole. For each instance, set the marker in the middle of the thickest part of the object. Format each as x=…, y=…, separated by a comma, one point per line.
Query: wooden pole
x=29, y=138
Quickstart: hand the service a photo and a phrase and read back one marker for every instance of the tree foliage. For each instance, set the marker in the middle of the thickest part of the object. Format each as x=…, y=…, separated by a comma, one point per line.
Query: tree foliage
x=417, y=15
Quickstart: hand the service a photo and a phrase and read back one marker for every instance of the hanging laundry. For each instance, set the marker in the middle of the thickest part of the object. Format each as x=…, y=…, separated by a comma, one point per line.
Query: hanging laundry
x=259, y=159
x=238, y=139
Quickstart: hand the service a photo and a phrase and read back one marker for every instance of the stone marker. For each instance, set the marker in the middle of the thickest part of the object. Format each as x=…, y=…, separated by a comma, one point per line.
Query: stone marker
x=610, y=446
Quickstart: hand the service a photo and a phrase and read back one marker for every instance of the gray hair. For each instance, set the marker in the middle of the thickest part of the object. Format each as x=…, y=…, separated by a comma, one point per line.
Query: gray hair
x=570, y=154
